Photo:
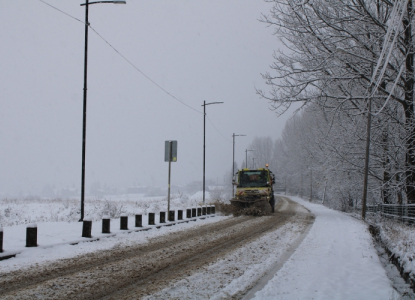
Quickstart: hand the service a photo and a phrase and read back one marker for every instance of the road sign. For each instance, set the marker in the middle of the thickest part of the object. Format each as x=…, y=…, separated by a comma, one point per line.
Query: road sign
x=172, y=157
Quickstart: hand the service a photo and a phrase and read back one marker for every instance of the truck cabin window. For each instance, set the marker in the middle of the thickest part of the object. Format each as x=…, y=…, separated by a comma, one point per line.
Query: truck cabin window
x=253, y=179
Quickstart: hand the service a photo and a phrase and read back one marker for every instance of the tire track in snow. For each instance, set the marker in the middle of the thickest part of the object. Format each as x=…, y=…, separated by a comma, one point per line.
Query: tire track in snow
x=276, y=267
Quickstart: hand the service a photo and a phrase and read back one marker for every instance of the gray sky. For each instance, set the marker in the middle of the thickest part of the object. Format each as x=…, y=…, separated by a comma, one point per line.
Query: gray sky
x=197, y=50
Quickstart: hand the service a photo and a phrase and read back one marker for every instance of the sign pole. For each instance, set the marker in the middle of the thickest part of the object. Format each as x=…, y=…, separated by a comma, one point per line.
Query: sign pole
x=170, y=155
x=168, y=195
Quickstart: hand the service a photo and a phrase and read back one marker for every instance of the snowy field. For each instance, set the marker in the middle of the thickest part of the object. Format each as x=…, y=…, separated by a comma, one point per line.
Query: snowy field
x=26, y=211
x=336, y=259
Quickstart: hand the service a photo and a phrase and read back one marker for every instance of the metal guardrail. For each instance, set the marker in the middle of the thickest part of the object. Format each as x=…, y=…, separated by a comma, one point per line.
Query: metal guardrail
x=404, y=213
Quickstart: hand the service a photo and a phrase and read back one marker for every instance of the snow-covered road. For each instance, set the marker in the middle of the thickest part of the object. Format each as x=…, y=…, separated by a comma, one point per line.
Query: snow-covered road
x=217, y=258
x=226, y=256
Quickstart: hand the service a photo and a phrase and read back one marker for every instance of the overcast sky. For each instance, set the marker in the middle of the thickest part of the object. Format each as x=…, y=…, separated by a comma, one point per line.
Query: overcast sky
x=196, y=50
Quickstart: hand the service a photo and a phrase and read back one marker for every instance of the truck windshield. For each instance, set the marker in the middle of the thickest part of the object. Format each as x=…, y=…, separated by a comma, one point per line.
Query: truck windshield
x=253, y=179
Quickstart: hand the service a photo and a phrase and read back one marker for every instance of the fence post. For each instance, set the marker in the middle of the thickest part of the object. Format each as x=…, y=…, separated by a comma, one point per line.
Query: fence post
x=138, y=221
x=162, y=217
x=188, y=213
x=124, y=222
x=31, y=235
x=193, y=212
x=106, y=224
x=86, y=228
x=180, y=214
x=151, y=219
x=204, y=210
x=1, y=239
x=208, y=209
x=171, y=215
x=199, y=211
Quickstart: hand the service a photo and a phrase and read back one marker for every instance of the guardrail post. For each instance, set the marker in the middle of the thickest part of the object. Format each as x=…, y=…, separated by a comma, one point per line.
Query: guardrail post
x=124, y=222
x=86, y=228
x=138, y=221
x=106, y=224
x=193, y=212
x=208, y=209
x=188, y=213
x=31, y=235
x=180, y=214
x=171, y=215
x=162, y=217
x=151, y=219
x=204, y=210
x=1, y=240
x=199, y=211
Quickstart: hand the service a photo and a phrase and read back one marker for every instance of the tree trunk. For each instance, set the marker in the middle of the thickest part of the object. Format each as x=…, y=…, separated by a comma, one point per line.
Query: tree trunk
x=386, y=193
x=409, y=108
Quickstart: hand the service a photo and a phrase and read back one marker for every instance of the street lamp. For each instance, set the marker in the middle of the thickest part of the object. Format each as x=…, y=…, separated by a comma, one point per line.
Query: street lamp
x=246, y=157
x=233, y=160
x=86, y=4
x=204, y=142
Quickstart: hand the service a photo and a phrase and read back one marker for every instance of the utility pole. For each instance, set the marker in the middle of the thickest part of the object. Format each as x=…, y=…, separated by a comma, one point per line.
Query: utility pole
x=367, y=153
x=233, y=160
x=301, y=192
x=86, y=4
x=285, y=185
x=204, y=142
x=311, y=185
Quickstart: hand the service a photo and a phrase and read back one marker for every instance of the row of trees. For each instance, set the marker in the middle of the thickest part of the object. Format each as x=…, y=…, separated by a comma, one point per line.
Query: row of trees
x=341, y=54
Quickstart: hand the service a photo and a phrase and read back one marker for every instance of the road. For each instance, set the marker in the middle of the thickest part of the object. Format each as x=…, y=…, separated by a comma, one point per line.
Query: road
x=151, y=270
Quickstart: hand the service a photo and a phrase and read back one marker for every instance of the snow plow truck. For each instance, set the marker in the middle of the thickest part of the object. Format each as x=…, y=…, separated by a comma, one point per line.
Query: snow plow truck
x=254, y=189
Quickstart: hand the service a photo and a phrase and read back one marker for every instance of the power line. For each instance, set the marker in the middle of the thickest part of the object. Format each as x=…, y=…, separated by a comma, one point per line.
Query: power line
x=142, y=73
x=218, y=130
x=127, y=60
x=62, y=11
x=135, y=67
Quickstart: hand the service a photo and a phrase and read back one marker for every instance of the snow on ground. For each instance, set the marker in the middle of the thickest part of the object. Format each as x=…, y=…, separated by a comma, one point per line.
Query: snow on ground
x=25, y=211
x=400, y=240
x=237, y=271
x=336, y=260
x=198, y=196
x=58, y=226
x=54, y=240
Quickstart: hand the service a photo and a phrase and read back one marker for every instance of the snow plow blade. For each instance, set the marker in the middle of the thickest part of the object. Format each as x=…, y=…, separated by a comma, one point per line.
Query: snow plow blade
x=260, y=207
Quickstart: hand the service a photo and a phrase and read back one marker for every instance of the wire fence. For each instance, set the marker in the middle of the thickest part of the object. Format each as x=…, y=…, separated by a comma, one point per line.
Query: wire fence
x=404, y=213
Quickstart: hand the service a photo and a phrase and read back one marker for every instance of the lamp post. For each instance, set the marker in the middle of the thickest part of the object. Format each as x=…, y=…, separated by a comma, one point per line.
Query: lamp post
x=86, y=4
x=204, y=142
x=233, y=160
x=246, y=157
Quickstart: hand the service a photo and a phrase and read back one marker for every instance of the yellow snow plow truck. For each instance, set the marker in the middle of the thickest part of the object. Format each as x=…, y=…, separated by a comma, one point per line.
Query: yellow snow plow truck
x=254, y=190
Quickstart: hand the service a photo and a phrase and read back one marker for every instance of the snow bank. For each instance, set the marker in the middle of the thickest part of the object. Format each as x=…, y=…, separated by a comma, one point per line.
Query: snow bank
x=400, y=240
